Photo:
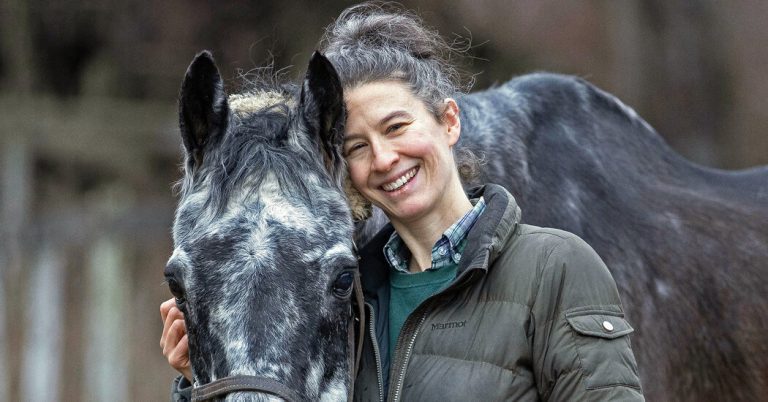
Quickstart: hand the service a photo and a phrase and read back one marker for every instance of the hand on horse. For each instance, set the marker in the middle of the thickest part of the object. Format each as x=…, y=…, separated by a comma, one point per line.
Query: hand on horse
x=174, y=339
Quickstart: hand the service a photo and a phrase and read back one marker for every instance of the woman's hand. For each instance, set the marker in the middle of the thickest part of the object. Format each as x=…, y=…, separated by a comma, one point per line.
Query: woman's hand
x=174, y=339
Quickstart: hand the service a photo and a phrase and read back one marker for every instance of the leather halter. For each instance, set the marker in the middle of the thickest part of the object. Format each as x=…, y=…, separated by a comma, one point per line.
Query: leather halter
x=238, y=383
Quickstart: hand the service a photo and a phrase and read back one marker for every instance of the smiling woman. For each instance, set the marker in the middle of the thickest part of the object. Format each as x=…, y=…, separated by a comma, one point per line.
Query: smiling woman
x=462, y=301
x=399, y=157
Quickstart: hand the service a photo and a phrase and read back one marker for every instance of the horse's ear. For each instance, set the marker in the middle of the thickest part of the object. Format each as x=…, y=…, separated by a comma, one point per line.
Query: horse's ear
x=203, y=108
x=322, y=109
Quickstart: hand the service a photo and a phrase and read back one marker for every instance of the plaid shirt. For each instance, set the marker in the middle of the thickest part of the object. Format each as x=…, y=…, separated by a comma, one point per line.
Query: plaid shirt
x=448, y=249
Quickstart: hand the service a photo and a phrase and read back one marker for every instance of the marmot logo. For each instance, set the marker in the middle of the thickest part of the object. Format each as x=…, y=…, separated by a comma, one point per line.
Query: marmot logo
x=449, y=325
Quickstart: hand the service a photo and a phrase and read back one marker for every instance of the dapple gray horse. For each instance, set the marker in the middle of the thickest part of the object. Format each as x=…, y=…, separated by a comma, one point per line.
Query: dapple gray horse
x=263, y=263
x=263, y=237
x=687, y=245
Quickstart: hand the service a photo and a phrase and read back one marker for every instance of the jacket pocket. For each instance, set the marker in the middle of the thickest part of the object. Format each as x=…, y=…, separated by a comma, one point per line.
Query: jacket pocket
x=604, y=348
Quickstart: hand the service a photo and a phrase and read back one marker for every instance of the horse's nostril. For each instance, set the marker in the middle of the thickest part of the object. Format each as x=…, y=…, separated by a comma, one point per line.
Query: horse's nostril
x=172, y=274
x=176, y=289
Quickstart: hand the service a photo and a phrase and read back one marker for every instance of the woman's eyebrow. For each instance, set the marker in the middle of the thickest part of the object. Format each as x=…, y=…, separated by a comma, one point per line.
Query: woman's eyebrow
x=393, y=115
x=352, y=136
x=383, y=121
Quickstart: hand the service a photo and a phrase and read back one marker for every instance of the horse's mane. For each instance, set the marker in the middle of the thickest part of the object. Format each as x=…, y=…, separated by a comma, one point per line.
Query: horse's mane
x=261, y=139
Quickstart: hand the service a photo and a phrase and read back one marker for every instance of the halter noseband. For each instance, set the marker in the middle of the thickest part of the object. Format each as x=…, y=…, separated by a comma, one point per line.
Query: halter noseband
x=238, y=383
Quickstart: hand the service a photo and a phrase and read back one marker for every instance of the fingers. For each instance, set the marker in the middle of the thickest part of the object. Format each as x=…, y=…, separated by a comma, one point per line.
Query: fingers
x=179, y=358
x=165, y=307
x=173, y=314
x=174, y=341
x=176, y=331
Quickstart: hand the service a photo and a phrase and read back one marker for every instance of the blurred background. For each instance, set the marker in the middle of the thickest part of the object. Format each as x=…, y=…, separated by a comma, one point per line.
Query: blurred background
x=89, y=146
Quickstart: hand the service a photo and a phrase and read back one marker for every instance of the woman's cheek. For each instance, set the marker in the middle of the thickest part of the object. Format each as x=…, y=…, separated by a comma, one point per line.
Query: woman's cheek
x=356, y=175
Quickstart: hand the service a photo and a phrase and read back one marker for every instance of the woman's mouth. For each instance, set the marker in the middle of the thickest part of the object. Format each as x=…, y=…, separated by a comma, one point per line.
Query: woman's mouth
x=400, y=181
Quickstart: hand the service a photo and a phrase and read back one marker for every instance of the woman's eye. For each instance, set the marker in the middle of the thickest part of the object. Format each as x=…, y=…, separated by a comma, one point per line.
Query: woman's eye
x=355, y=147
x=395, y=127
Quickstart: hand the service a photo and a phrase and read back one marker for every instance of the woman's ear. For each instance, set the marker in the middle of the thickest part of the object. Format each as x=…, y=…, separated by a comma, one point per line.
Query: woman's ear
x=451, y=120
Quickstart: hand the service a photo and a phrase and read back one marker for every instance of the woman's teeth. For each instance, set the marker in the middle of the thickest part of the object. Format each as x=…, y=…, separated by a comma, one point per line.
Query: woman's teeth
x=401, y=181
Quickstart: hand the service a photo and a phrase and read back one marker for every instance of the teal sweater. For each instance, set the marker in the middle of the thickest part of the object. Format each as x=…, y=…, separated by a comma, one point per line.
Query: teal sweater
x=408, y=290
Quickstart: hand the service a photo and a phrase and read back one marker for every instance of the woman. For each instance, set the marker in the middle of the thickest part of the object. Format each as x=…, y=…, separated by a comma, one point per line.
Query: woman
x=475, y=305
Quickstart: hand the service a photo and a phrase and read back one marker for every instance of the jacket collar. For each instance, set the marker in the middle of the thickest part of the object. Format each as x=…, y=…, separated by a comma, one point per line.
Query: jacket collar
x=491, y=231
x=484, y=242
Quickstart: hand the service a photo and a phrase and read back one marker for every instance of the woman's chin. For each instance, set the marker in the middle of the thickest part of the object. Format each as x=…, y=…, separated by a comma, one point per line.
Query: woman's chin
x=406, y=211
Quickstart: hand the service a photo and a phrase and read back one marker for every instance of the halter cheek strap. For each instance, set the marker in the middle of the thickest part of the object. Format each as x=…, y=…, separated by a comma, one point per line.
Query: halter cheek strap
x=354, y=358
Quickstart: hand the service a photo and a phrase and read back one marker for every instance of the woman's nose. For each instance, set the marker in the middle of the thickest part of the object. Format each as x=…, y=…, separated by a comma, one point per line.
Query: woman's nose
x=384, y=158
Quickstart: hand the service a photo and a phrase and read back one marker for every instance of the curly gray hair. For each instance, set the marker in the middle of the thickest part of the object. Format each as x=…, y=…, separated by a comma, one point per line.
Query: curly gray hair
x=377, y=41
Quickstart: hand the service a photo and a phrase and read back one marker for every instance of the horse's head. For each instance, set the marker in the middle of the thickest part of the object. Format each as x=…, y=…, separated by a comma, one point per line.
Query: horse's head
x=263, y=259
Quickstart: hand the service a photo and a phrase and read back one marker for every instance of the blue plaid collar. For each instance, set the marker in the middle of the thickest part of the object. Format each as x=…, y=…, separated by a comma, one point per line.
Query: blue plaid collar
x=446, y=251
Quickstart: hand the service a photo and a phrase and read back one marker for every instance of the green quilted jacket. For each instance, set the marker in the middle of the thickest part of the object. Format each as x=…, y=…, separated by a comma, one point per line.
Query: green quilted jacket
x=532, y=315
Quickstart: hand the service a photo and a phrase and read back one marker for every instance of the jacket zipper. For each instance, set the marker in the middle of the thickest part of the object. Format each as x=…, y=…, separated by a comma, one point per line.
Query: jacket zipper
x=460, y=282
x=376, y=353
x=411, y=342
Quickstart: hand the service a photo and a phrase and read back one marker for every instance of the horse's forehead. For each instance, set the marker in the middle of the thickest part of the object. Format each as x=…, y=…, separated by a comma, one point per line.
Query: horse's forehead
x=246, y=103
x=265, y=210
x=279, y=208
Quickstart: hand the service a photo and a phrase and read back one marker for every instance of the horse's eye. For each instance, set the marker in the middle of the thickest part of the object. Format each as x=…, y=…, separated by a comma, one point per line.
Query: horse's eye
x=342, y=286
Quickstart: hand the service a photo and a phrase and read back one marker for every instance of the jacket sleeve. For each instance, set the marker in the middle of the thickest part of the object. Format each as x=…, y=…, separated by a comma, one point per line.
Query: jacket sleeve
x=181, y=390
x=581, y=345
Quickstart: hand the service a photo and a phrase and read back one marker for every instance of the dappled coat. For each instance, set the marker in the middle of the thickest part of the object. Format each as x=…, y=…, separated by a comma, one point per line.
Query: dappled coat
x=533, y=315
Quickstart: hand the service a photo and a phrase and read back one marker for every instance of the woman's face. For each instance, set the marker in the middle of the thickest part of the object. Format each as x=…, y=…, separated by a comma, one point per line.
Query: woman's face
x=399, y=155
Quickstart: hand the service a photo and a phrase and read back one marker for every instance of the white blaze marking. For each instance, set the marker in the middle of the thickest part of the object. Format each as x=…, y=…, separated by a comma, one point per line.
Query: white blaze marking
x=277, y=207
x=337, y=249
